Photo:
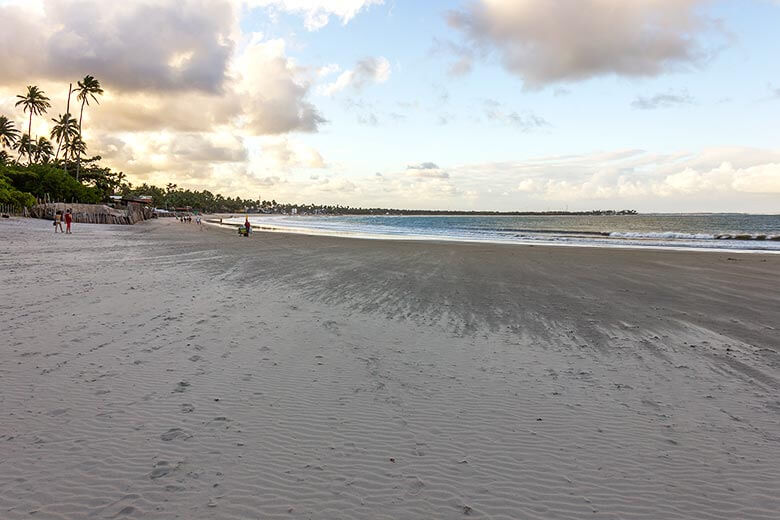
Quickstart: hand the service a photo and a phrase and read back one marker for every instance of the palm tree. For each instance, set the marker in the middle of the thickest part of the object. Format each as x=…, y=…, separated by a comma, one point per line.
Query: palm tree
x=43, y=150
x=8, y=133
x=88, y=88
x=65, y=129
x=76, y=147
x=23, y=146
x=35, y=102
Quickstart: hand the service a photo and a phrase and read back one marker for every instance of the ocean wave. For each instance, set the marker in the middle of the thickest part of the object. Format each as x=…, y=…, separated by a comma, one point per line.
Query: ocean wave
x=546, y=231
x=670, y=235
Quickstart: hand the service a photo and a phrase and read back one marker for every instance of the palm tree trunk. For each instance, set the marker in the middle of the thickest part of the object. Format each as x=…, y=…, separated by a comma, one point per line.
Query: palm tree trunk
x=29, y=140
x=78, y=156
x=67, y=111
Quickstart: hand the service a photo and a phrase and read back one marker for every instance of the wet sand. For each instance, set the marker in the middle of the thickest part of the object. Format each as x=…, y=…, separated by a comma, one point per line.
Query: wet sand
x=156, y=371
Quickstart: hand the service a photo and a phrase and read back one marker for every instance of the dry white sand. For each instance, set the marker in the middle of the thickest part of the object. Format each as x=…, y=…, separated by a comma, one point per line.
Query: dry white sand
x=159, y=372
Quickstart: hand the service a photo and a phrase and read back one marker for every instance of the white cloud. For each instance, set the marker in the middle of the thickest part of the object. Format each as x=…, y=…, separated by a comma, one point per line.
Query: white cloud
x=569, y=40
x=317, y=13
x=285, y=153
x=367, y=70
x=734, y=177
x=273, y=91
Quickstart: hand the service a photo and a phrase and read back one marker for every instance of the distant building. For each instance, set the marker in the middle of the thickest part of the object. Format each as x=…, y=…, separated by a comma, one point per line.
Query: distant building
x=139, y=199
x=294, y=211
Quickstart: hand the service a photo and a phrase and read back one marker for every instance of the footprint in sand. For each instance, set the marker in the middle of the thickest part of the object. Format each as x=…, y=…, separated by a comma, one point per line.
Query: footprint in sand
x=181, y=387
x=332, y=326
x=175, y=433
x=187, y=408
x=161, y=469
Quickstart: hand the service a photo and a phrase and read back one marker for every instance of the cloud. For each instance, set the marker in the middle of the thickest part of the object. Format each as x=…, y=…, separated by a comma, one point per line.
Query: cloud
x=632, y=178
x=267, y=182
x=571, y=40
x=141, y=112
x=663, y=100
x=317, y=13
x=274, y=91
x=203, y=148
x=366, y=71
x=167, y=65
x=287, y=154
x=525, y=122
x=426, y=170
x=369, y=119
x=464, y=56
x=170, y=45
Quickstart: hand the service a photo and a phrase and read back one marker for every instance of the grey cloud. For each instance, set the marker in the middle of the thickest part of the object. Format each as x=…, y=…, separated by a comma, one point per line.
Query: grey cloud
x=268, y=181
x=423, y=166
x=285, y=114
x=571, y=40
x=663, y=100
x=369, y=70
x=463, y=53
x=198, y=148
x=113, y=147
x=163, y=65
x=163, y=111
x=526, y=121
x=277, y=102
x=369, y=119
x=170, y=45
x=427, y=170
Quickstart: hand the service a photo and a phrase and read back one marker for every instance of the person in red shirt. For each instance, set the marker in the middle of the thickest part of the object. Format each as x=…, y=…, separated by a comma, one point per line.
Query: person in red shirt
x=68, y=220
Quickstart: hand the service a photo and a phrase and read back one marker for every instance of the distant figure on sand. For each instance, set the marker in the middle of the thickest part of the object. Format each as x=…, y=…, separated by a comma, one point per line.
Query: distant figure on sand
x=199, y=222
x=248, y=226
x=68, y=221
x=58, y=221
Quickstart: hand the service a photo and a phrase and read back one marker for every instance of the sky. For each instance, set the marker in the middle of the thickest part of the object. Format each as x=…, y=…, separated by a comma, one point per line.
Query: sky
x=653, y=105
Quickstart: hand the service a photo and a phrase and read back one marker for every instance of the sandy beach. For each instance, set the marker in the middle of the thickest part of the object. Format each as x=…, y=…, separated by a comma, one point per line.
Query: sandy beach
x=156, y=371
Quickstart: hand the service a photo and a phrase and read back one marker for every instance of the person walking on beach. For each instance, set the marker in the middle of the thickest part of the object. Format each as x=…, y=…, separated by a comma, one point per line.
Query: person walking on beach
x=68, y=221
x=247, y=226
x=199, y=222
x=58, y=221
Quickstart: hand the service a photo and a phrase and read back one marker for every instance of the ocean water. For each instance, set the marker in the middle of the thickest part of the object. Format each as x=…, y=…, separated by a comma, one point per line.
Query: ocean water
x=734, y=232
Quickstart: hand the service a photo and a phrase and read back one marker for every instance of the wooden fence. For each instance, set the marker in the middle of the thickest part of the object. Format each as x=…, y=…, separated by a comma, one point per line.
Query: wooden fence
x=10, y=209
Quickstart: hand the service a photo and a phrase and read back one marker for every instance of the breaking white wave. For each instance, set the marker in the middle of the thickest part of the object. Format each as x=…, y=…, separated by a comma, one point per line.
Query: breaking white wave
x=669, y=235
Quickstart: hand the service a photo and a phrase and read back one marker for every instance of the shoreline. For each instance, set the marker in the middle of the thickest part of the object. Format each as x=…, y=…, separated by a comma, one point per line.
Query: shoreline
x=520, y=242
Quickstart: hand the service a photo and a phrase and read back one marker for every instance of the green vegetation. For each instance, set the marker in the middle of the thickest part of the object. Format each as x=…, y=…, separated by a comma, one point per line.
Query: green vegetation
x=46, y=181
x=12, y=196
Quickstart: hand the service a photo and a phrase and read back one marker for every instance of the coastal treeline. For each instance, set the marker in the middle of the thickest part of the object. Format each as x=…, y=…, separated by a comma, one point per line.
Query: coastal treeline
x=173, y=197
